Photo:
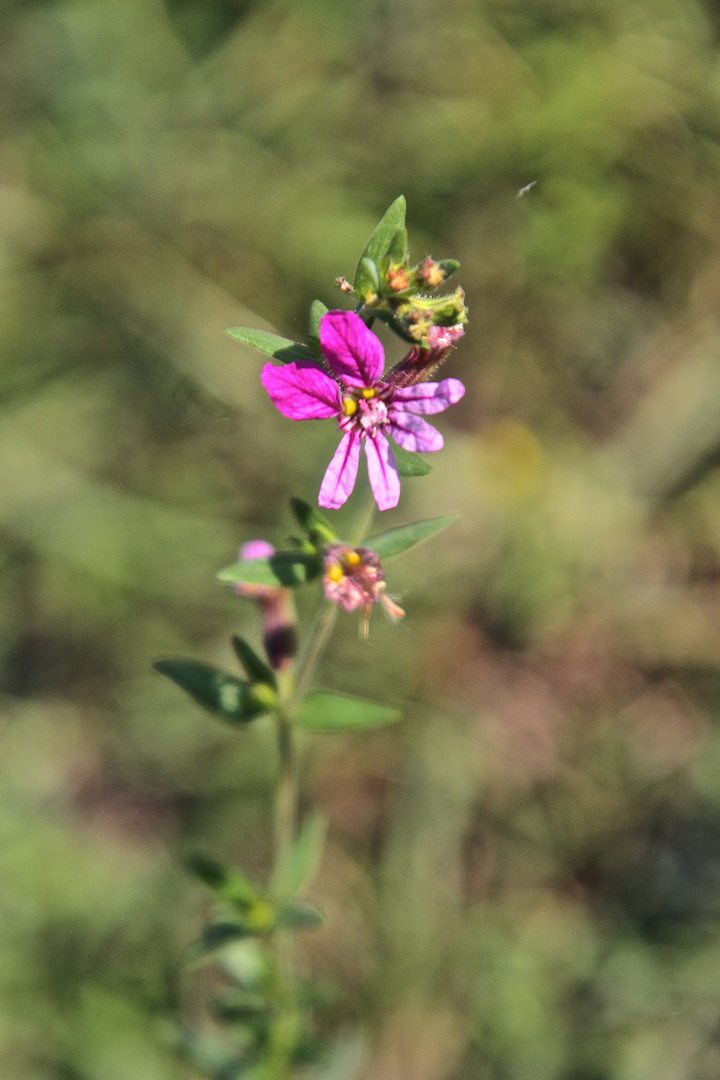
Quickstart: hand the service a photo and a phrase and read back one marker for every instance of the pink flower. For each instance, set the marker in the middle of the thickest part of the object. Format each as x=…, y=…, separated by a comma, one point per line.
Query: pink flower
x=368, y=409
x=353, y=578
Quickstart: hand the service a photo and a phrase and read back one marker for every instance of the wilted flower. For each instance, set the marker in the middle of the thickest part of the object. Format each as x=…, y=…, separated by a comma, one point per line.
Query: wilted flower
x=353, y=578
x=277, y=608
x=368, y=407
x=421, y=362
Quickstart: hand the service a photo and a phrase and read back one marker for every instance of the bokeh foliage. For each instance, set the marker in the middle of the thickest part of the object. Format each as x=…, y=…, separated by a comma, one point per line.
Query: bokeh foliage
x=523, y=879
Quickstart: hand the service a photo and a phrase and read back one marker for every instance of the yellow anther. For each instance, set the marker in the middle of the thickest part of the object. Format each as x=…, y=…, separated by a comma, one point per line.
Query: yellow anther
x=335, y=573
x=367, y=392
x=353, y=559
x=349, y=406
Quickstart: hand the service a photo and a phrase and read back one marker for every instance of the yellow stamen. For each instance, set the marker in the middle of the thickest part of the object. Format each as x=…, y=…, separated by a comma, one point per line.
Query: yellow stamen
x=335, y=573
x=367, y=392
x=353, y=559
x=349, y=406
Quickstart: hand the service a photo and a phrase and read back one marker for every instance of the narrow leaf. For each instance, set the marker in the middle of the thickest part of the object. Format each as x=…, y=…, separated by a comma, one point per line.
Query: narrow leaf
x=228, y=884
x=305, y=856
x=234, y=700
x=449, y=266
x=284, y=569
x=327, y=711
x=300, y=917
x=394, y=541
x=239, y=1005
x=218, y=934
x=282, y=349
x=317, y=310
x=315, y=524
x=367, y=278
x=398, y=249
x=380, y=243
x=409, y=463
x=256, y=669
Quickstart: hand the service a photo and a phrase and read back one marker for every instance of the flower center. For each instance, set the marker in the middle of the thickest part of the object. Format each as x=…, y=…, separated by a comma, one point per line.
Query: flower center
x=363, y=410
x=372, y=415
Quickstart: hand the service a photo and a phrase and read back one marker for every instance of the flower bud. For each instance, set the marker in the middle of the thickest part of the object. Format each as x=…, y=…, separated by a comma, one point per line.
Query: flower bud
x=276, y=607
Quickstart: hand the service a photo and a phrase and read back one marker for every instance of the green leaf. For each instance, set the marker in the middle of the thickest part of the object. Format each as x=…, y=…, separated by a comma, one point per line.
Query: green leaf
x=367, y=278
x=323, y=710
x=449, y=266
x=394, y=541
x=300, y=917
x=282, y=349
x=234, y=700
x=379, y=245
x=304, y=857
x=229, y=885
x=408, y=463
x=398, y=249
x=256, y=668
x=239, y=1005
x=218, y=934
x=284, y=569
x=317, y=310
x=315, y=524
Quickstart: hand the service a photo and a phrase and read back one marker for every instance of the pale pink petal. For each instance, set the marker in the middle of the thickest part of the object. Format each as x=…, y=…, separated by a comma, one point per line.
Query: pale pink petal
x=341, y=473
x=382, y=470
x=302, y=391
x=428, y=397
x=352, y=351
x=413, y=433
x=256, y=549
x=444, y=337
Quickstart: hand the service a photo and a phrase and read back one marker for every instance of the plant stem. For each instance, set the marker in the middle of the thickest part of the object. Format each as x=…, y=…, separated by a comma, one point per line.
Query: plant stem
x=286, y=799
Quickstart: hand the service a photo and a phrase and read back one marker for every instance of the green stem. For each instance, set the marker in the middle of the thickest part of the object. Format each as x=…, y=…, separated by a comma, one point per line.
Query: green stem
x=284, y=1031
x=284, y=1028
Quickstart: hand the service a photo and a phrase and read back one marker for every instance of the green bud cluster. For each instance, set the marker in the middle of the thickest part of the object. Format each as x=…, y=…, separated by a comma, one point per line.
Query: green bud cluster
x=389, y=288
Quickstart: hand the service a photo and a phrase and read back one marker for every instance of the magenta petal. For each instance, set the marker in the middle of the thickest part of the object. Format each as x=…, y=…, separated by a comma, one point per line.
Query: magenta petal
x=256, y=549
x=352, y=351
x=382, y=470
x=414, y=433
x=428, y=397
x=341, y=473
x=302, y=391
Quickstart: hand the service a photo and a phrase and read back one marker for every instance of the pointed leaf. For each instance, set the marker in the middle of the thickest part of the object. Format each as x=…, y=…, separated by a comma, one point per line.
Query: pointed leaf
x=317, y=310
x=228, y=884
x=256, y=669
x=327, y=711
x=409, y=463
x=315, y=524
x=233, y=700
x=218, y=934
x=300, y=917
x=284, y=569
x=282, y=349
x=367, y=278
x=394, y=541
x=398, y=249
x=239, y=1005
x=379, y=244
x=449, y=266
x=304, y=857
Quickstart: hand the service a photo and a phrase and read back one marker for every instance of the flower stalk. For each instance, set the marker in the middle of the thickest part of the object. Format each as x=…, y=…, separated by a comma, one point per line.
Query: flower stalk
x=338, y=374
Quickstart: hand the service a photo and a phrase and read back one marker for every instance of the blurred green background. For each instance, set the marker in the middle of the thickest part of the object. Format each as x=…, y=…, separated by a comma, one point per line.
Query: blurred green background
x=523, y=878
